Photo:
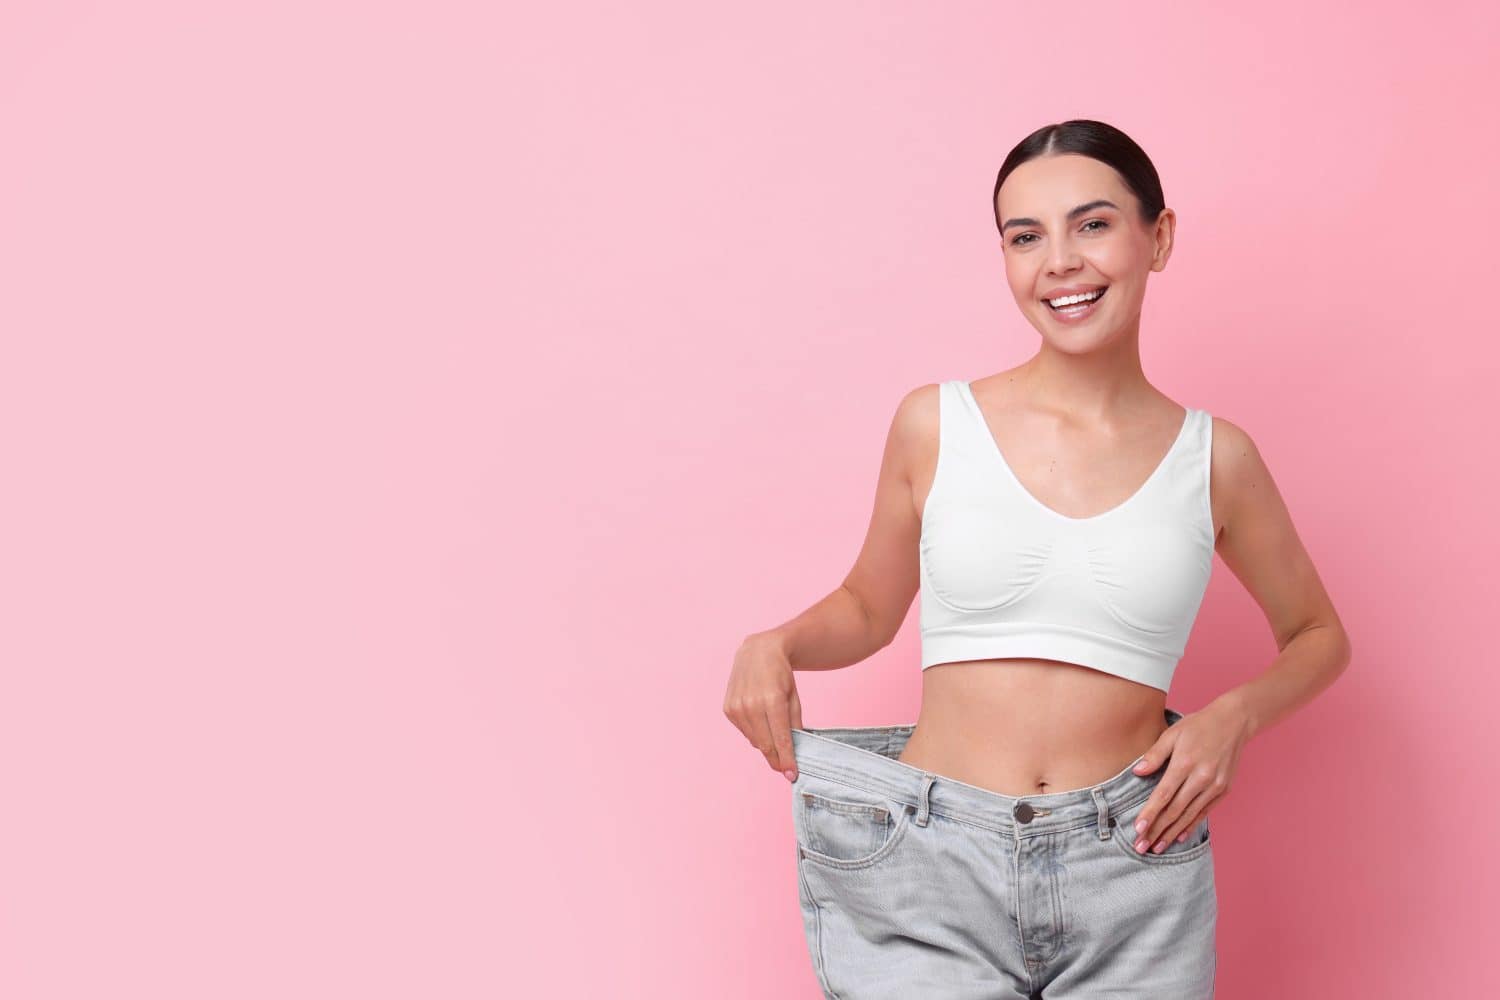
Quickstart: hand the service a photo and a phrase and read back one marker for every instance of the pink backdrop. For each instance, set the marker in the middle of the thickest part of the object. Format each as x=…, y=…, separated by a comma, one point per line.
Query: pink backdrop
x=408, y=408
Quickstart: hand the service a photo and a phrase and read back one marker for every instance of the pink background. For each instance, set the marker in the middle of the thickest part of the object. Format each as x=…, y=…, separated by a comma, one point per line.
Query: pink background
x=407, y=409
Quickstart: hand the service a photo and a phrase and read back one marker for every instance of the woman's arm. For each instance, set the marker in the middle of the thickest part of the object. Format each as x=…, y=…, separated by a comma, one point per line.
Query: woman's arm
x=857, y=619
x=1260, y=546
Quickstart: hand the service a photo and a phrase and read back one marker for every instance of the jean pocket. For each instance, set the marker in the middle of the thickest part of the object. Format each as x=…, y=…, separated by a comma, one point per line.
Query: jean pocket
x=844, y=827
x=1196, y=846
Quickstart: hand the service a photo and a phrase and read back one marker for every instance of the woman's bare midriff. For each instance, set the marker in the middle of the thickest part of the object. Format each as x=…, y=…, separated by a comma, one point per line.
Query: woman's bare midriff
x=1031, y=727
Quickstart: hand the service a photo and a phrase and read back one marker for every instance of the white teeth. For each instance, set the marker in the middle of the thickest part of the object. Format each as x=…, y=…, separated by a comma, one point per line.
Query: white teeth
x=1068, y=300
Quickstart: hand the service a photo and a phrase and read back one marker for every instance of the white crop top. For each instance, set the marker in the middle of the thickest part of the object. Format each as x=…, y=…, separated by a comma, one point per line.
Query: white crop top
x=1003, y=575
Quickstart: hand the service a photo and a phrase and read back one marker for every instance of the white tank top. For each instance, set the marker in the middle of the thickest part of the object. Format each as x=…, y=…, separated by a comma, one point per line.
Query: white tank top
x=1003, y=575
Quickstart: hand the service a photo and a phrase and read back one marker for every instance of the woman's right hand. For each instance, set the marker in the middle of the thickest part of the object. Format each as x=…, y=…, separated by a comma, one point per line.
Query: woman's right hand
x=762, y=701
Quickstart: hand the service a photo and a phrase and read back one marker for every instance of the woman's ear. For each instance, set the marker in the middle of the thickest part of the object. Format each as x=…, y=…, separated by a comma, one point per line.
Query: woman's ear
x=1165, y=232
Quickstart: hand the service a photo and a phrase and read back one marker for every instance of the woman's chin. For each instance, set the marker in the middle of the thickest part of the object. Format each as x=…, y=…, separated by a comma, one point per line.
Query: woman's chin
x=1081, y=340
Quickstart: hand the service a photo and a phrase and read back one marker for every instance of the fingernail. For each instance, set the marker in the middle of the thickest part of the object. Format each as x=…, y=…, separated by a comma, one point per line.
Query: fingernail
x=1140, y=846
x=1140, y=825
x=790, y=775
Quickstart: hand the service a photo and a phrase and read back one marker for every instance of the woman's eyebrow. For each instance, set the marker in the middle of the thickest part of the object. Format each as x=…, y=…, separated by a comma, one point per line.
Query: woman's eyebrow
x=1088, y=206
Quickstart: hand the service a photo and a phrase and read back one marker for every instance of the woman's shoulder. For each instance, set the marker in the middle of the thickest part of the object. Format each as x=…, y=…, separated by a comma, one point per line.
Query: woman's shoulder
x=1237, y=469
x=1231, y=443
x=916, y=418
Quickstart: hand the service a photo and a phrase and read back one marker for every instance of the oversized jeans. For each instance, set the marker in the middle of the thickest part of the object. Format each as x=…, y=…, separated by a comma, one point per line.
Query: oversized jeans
x=922, y=887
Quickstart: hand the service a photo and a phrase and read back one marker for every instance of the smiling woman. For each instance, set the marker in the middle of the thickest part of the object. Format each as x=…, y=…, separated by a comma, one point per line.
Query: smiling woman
x=1081, y=157
x=1058, y=521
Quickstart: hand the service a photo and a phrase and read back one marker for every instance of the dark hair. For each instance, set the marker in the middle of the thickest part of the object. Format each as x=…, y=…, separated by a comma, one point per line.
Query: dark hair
x=1099, y=141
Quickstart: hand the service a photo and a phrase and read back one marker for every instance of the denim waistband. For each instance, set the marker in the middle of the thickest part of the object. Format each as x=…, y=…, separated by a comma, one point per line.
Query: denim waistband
x=865, y=757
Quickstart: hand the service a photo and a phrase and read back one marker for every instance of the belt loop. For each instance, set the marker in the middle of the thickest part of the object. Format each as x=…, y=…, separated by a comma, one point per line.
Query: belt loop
x=922, y=797
x=1103, y=805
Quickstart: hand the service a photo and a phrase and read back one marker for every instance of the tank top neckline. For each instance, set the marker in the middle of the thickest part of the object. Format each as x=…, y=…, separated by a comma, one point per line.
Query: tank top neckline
x=994, y=449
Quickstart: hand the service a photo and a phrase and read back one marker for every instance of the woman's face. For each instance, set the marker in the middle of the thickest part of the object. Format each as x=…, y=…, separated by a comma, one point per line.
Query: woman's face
x=1072, y=226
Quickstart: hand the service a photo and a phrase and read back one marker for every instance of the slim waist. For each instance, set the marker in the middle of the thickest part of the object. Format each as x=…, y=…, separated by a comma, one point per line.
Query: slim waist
x=865, y=757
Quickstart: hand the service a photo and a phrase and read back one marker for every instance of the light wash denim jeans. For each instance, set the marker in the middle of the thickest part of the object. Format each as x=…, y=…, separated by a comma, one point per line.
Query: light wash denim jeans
x=918, y=886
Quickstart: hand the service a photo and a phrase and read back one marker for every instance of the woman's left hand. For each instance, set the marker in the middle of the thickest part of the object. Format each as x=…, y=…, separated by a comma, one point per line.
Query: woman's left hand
x=1203, y=750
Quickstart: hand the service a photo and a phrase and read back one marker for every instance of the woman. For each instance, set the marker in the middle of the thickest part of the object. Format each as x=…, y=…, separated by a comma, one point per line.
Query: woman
x=1042, y=829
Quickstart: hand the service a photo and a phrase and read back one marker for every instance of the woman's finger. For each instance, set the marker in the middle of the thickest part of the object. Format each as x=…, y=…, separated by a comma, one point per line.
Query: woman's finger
x=1148, y=819
x=1197, y=807
x=757, y=730
x=779, y=722
x=1166, y=803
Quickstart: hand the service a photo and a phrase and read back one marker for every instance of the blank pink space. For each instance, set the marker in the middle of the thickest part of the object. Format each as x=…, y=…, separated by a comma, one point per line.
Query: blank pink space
x=408, y=408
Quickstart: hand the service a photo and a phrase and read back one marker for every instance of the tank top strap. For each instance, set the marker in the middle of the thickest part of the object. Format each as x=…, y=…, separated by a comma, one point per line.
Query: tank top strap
x=1182, y=492
x=1205, y=455
x=964, y=440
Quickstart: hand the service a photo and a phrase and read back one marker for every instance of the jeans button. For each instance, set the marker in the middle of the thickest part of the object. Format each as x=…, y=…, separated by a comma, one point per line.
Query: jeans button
x=1024, y=812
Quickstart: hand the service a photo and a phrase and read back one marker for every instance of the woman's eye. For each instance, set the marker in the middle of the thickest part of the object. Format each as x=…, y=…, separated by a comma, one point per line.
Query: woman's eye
x=1023, y=239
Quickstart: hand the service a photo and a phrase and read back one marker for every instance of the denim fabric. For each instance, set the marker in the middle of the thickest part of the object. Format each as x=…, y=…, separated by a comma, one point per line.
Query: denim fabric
x=914, y=885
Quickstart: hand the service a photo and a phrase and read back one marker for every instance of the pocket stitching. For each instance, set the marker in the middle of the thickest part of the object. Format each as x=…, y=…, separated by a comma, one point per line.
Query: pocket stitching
x=897, y=834
x=879, y=813
x=1193, y=853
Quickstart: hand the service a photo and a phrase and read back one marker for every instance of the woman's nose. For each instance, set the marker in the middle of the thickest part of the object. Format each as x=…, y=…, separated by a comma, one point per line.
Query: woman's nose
x=1063, y=259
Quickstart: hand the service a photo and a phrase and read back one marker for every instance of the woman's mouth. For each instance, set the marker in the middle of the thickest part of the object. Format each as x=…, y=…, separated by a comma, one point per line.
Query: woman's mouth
x=1076, y=308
